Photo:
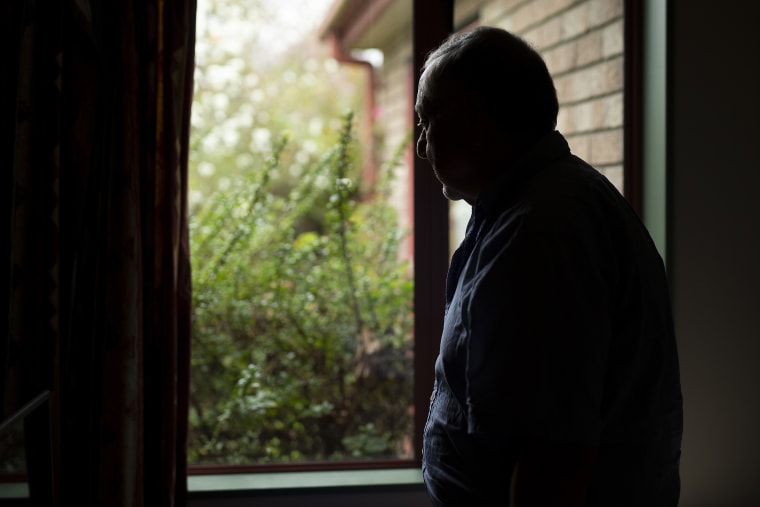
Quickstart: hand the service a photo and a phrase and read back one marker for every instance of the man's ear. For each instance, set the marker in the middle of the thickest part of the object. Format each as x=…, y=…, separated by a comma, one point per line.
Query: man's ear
x=488, y=133
x=480, y=124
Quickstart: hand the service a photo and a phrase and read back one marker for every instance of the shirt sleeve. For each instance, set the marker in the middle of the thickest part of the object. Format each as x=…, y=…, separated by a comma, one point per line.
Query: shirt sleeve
x=539, y=326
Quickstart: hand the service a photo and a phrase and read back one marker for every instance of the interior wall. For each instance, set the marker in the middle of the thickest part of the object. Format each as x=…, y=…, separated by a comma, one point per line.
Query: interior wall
x=402, y=496
x=714, y=141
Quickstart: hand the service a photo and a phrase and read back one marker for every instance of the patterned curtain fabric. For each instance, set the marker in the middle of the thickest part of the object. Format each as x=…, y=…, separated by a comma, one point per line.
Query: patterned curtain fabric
x=95, y=108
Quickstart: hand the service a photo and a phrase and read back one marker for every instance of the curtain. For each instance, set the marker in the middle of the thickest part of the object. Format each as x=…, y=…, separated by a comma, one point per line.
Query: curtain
x=95, y=108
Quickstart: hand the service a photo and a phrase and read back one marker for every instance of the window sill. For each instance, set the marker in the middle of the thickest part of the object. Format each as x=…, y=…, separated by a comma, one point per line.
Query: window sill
x=268, y=481
x=203, y=485
x=9, y=490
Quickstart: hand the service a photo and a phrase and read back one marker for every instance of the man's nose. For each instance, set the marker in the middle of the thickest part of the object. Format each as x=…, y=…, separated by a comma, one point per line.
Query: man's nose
x=422, y=146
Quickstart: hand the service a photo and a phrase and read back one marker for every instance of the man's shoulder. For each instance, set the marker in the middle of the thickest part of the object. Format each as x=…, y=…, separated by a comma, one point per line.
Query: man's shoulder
x=555, y=193
x=570, y=192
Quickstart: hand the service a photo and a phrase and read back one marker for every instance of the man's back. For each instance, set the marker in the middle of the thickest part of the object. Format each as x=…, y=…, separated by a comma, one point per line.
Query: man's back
x=558, y=329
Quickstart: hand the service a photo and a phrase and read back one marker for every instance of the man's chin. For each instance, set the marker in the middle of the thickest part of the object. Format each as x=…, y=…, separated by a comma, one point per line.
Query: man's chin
x=451, y=194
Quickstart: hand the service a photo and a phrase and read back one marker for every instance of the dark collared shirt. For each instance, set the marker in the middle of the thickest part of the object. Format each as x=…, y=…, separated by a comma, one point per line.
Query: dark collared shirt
x=557, y=328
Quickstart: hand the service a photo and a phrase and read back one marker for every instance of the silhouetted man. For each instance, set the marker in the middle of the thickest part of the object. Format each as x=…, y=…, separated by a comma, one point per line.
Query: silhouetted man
x=557, y=381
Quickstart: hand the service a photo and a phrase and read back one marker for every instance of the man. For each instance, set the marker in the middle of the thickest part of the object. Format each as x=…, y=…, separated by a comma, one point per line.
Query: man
x=557, y=381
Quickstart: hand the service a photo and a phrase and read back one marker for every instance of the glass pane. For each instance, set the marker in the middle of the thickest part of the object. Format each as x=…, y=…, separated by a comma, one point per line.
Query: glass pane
x=300, y=227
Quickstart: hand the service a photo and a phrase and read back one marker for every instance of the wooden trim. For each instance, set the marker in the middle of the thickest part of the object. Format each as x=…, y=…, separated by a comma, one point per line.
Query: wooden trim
x=350, y=20
x=364, y=21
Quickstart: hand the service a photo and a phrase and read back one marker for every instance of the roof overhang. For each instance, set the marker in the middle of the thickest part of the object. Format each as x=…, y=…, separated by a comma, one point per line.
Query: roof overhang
x=365, y=24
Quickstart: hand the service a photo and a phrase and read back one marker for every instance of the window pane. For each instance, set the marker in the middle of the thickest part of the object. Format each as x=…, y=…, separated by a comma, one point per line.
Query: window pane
x=300, y=226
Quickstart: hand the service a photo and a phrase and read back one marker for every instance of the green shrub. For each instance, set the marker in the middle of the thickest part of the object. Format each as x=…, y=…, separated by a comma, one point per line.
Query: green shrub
x=302, y=327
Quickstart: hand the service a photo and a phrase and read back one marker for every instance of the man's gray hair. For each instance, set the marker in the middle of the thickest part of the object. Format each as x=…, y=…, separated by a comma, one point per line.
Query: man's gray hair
x=506, y=72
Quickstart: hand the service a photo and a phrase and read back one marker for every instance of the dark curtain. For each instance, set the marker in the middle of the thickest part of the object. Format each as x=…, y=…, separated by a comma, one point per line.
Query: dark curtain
x=95, y=105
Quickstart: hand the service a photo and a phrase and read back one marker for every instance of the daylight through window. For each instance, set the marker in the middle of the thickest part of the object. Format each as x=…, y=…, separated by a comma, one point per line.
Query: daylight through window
x=302, y=280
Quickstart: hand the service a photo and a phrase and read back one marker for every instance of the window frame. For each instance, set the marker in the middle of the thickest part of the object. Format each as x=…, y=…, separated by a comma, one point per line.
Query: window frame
x=432, y=22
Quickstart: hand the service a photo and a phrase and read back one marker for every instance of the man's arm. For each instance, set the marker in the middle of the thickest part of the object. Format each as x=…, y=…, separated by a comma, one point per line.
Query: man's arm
x=552, y=475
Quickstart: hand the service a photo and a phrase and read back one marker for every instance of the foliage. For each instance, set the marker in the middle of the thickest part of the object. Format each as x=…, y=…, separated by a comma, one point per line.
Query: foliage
x=251, y=84
x=303, y=319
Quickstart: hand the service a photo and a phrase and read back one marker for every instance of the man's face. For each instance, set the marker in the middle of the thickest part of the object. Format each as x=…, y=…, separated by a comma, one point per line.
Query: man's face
x=447, y=139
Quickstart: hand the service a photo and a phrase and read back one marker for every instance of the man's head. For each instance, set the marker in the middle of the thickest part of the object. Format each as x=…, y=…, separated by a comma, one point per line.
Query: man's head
x=484, y=97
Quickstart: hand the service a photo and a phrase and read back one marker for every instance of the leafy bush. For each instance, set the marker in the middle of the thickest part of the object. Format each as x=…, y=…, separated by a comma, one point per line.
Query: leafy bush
x=302, y=328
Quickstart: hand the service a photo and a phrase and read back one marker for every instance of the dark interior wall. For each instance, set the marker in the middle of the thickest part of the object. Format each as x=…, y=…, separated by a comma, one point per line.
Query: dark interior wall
x=714, y=241
x=402, y=496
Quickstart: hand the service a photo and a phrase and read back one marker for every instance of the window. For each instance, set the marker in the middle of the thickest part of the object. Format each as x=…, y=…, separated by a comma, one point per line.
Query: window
x=303, y=281
x=269, y=415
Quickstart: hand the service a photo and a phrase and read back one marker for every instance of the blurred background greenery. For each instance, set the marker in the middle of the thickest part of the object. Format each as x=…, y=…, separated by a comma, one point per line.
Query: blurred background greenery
x=303, y=318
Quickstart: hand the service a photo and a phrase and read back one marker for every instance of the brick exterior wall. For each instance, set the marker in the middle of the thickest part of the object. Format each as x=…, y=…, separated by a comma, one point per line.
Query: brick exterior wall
x=394, y=122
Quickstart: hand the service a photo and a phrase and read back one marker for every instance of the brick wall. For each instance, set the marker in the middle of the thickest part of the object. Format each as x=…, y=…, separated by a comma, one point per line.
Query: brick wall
x=394, y=92
x=394, y=122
